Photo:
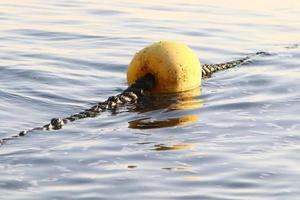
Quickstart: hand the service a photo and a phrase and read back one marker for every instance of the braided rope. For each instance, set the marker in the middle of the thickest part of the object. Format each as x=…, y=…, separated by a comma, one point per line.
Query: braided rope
x=130, y=96
x=209, y=69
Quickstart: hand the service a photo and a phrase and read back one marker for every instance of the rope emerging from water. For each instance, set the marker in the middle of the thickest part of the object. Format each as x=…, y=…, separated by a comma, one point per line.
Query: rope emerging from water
x=130, y=96
x=209, y=69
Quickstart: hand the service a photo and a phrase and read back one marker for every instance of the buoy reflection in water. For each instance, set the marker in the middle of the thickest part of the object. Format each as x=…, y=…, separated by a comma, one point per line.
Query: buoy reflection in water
x=170, y=103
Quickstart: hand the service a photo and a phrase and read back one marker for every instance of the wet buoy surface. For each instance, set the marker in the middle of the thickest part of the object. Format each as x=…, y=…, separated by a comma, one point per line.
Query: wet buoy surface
x=175, y=66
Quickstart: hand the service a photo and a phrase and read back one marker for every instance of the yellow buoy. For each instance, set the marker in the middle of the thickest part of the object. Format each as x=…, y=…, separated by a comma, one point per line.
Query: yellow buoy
x=175, y=66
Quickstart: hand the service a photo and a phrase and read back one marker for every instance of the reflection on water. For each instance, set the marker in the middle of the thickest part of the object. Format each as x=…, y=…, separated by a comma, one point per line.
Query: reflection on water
x=161, y=147
x=169, y=102
x=238, y=140
x=148, y=123
x=132, y=166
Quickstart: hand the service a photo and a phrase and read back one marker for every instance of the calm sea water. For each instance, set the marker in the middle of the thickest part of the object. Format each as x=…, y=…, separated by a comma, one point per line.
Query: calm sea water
x=239, y=139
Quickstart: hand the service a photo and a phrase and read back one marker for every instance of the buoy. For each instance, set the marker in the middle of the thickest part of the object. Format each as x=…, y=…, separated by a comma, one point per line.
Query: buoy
x=175, y=67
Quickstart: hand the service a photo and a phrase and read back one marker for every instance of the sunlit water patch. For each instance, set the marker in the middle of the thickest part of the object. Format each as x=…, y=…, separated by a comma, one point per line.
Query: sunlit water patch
x=237, y=138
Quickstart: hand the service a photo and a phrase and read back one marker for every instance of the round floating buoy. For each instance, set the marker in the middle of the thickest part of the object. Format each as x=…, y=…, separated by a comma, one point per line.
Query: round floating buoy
x=175, y=67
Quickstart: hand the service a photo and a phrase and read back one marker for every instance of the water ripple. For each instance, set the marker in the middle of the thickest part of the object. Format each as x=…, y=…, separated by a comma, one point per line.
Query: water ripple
x=239, y=139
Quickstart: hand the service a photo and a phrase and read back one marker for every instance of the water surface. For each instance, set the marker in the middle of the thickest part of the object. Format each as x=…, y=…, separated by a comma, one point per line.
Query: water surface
x=238, y=140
